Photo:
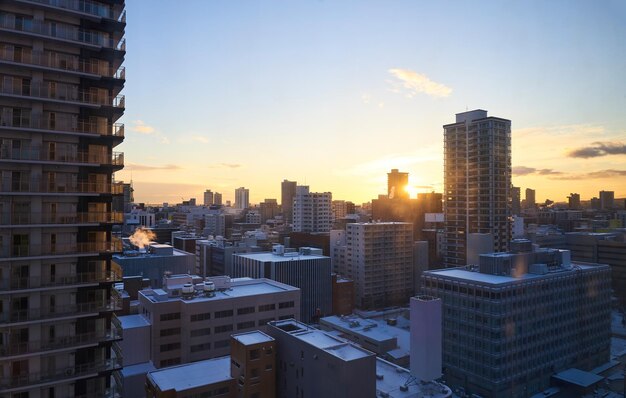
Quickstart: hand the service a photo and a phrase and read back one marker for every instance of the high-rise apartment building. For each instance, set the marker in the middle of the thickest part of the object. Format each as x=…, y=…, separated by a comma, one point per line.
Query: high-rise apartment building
x=242, y=198
x=208, y=198
x=287, y=193
x=516, y=201
x=397, y=183
x=477, y=182
x=312, y=211
x=217, y=198
x=573, y=201
x=607, y=200
x=518, y=318
x=530, y=200
x=60, y=80
x=379, y=258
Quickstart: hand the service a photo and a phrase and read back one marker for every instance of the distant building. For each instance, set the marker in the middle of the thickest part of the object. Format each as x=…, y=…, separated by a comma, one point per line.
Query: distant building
x=397, y=184
x=519, y=317
x=253, y=217
x=208, y=198
x=530, y=199
x=343, y=295
x=242, y=198
x=307, y=269
x=573, y=201
x=268, y=209
x=217, y=199
x=320, y=240
x=185, y=241
x=188, y=327
x=607, y=200
x=155, y=262
x=378, y=257
x=311, y=211
x=288, y=193
x=477, y=176
x=516, y=201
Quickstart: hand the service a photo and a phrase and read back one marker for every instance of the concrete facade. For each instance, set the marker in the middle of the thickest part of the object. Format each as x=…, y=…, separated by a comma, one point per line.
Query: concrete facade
x=312, y=212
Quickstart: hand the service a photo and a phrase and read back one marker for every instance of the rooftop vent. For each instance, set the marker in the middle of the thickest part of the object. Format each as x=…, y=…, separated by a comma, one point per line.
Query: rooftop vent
x=209, y=289
x=187, y=291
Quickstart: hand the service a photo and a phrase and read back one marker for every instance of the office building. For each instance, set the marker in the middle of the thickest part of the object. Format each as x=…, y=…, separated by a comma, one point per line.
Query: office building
x=529, y=200
x=306, y=269
x=378, y=257
x=61, y=75
x=208, y=198
x=607, y=200
x=397, y=184
x=477, y=182
x=192, y=318
x=242, y=198
x=312, y=211
x=268, y=209
x=217, y=199
x=573, y=201
x=253, y=364
x=516, y=201
x=287, y=194
x=517, y=318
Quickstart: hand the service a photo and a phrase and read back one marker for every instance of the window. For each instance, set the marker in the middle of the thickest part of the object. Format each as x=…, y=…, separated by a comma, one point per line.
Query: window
x=169, y=332
x=170, y=362
x=286, y=304
x=223, y=314
x=200, y=317
x=245, y=325
x=169, y=347
x=200, y=347
x=290, y=316
x=267, y=307
x=245, y=310
x=223, y=328
x=221, y=344
x=170, y=317
x=255, y=354
x=200, y=332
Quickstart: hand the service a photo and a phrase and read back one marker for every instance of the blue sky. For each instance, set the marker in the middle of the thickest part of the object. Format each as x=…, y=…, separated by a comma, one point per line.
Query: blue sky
x=222, y=94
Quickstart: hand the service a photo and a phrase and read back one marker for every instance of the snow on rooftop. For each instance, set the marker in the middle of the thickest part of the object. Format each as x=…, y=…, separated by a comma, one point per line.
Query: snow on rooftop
x=254, y=337
x=398, y=382
x=133, y=321
x=192, y=375
x=269, y=256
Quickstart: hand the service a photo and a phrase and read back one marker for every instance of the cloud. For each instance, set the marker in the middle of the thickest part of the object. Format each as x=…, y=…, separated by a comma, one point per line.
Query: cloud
x=416, y=83
x=145, y=167
x=231, y=165
x=200, y=138
x=609, y=173
x=597, y=149
x=524, y=171
x=140, y=127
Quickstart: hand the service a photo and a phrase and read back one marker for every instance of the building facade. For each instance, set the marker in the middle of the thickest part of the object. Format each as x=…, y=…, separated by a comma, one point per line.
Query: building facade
x=477, y=182
x=520, y=317
x=287, y=193
x=378, y=257
x=61, y=75
x=242, y=198
x=312, y=211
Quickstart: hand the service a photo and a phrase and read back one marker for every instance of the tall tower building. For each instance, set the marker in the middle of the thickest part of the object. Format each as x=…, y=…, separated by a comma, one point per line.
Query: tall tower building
x=573, y=201
x=477, y=181
x=217, y=198
x=242, y=198
x=208, y=198
x=312, y=211
x=288, y=192
x=396, y=184
x=516, y=201
x=531, y=200
x=60, y=80
x=607, y=200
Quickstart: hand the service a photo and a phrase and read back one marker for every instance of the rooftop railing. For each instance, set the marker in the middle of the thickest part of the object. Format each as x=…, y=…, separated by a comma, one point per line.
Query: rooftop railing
x=85, y=7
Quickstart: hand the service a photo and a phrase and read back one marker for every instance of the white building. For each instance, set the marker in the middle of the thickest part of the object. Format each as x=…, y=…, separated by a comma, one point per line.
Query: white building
x=242, y=198
x=312, y=211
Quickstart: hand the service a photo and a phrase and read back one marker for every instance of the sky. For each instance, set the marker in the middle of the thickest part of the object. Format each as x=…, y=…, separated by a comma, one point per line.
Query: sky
x=334, y=94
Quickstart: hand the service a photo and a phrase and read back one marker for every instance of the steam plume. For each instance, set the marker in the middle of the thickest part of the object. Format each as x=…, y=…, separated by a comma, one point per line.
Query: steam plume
x=142, y=237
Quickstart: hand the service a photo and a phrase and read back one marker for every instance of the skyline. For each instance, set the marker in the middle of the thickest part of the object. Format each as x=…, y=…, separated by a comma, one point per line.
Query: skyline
x=235, y=83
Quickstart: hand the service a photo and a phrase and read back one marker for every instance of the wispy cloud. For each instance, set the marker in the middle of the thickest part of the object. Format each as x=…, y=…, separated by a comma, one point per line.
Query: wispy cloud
x=146, y=167
x=231, y=165
x=524, y=171
x=416, y=83
x=598, y=149
x=140, y=127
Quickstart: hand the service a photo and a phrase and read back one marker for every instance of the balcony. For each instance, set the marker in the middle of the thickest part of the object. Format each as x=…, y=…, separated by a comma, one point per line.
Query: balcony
x=77, y=126
x=35, y=186
x=60, y=311
x=49, y=60
x=72, y=372
x=36, y=346
x=42, y=155
x=112, y=392
x=60, y=31
x=8, y=220
x=84, y=7
x=35, y=282
x=62, y=249
x=61, y=93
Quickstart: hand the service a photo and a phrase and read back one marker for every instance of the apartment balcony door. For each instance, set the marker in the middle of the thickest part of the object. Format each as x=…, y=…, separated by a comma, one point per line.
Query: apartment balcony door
x=20, y=245
x=53, y=243
x=20, y=276
x=52, y=148
x=17, y=54
x=19, y=369
x=52, y=182
x=19, y=307
x=52, y=121
x=53, y=213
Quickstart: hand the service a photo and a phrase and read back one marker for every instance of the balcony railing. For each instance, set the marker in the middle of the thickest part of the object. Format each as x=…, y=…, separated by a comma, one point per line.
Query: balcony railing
x=33, y=282
x=61, y=31
x=20, y=348
x=79, y=248
x=62, y=93
x=59, y=311
x=36, y=218
x=79, y=126
x=61, y=374
x=37, y=186
x=40, y=58
x=86, y=7
x=112, y=392
x=42, y=155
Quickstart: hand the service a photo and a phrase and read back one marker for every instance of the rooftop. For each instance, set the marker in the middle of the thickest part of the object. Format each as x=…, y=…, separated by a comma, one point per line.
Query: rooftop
x=462, y=273
x=192, y=375
x=254, y=337
x=376, y=330
x=322, y=340
x=398, y=382
x=578, y=377
x=133, y=321
x=269, y=256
